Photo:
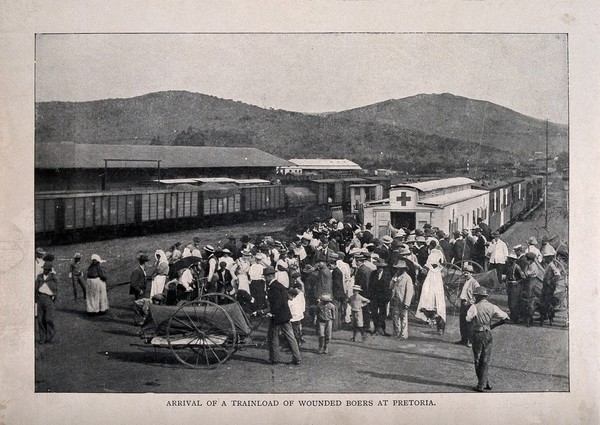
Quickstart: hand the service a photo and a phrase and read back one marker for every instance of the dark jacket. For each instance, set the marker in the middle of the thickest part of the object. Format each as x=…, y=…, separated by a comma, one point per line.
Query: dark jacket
x=137, y=281
x=383, y=253
x=50, y=281
x=462, y=251
x=278, y=303
x=324, y=282
x=447, y=249
x=338, y=284
x=379, y=287
x=362, y=278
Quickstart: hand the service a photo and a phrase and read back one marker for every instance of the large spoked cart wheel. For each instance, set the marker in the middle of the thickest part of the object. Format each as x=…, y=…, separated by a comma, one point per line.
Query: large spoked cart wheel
x=201, y=334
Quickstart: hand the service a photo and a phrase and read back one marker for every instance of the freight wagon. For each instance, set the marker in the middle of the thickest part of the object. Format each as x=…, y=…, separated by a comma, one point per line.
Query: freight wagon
x=78, y=216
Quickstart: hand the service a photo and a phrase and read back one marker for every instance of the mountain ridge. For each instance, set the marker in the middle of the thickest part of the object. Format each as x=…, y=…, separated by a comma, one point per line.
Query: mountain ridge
x=421, y=130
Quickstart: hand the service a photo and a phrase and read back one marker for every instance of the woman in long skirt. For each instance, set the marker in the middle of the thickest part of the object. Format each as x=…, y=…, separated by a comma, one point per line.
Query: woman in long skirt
x=96, y=297
x=432, y=300
x=160, y=273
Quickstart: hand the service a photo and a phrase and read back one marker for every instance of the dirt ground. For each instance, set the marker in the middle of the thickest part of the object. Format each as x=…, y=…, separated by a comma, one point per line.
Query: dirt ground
x=104, y=353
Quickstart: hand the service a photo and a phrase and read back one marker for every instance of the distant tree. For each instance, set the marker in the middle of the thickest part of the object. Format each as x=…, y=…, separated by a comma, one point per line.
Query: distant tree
x=190, y=137
x=156, y=141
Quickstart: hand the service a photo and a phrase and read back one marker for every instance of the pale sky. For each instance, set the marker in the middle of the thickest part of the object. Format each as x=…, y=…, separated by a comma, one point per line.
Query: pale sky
x=310, y=72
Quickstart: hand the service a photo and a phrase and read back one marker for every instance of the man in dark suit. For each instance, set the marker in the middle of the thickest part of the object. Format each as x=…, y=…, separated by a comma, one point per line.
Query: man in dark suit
x=137, y=281
x=280, y=315
x=367, y=235
x=379, y=285
x=46, y=291
x=339, y=294
x=446, y=245
x=462, y=249
x=362, y=278
x=485, y=229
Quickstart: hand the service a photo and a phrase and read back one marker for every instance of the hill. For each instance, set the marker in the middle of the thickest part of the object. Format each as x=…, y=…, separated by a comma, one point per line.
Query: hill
x=459, y=117
x=364, y=135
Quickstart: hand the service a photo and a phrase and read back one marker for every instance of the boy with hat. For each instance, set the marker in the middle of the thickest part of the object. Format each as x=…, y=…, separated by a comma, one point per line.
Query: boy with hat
x=467, y=299
x=403, y=291
x=46, y=290
x=480, y=315
x=76, y=275
x=357, y=302
x=325, y=314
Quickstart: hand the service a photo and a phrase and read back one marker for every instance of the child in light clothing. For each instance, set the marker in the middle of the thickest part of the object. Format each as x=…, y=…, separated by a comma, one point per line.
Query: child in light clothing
x=325, y=313
x=357, y=302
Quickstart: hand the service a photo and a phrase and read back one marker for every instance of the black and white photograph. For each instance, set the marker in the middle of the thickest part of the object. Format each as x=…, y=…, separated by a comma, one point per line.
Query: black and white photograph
x=302, y=213
x=299, y=212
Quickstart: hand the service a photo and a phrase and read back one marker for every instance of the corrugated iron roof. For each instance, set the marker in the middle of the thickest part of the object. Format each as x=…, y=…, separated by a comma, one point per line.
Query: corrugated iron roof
x=437, y=184
x=453, y=198
x=491, y=185
x=324, y=164
x=76, y=155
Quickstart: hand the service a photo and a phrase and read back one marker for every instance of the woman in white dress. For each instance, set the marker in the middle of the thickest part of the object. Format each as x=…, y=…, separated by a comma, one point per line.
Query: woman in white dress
x=433, y=299
x=161, y=272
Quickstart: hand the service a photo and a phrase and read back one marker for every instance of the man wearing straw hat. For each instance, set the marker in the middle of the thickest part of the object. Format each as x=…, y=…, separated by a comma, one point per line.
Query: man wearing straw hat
x=480, y=315
x=402, y=290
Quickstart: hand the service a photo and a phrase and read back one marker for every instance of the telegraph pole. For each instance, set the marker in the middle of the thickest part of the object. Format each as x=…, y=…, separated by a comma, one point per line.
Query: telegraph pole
x=546, y=186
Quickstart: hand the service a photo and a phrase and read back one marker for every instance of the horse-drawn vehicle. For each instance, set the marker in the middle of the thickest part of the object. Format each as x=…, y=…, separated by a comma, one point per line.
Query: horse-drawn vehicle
x=201, y=328
x=202, y=333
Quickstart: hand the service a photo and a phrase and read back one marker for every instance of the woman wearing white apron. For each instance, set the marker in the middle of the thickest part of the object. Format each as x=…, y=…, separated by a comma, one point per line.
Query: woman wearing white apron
x=432, y=299
x=160, y=273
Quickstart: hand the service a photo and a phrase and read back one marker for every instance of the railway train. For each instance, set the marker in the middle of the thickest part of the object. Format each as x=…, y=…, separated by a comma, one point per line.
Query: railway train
x=68, y=217
x=454, y=204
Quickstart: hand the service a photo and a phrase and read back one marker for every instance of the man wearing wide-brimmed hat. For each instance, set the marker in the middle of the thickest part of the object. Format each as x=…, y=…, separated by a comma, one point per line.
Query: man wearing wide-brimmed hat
x=76, y=275
x=402, y=293
x=497, y=252
x=379, y=288
x=480, y=315
x=280, y=316
x=39, y=261
x=467, y=299
x=46, y=291
x=532, y=247
x=362, y=278
x=138, y=279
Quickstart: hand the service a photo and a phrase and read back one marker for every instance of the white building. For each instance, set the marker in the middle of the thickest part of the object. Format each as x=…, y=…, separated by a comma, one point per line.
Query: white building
x=307, y=165
x=449, y=204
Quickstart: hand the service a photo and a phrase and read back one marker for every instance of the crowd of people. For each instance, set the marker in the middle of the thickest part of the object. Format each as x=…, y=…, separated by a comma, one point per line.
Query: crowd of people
x=331, y=275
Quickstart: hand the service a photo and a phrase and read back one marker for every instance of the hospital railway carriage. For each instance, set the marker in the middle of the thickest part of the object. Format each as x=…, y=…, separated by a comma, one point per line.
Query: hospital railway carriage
x=453, y=204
